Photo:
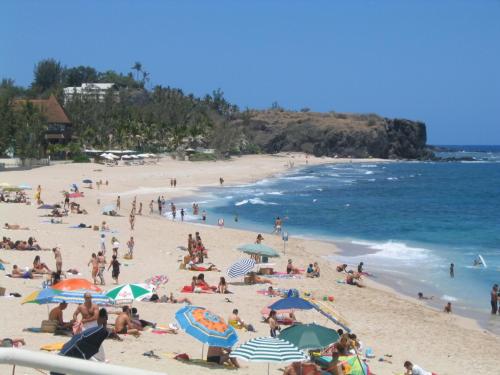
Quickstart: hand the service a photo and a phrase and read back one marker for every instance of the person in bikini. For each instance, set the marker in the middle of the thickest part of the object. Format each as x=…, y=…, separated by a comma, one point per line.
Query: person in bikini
x=15, y=227
x=39, y=267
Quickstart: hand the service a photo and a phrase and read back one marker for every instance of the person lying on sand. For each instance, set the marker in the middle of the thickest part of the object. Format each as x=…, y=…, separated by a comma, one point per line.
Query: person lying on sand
x=18, y=274
x=14, y=227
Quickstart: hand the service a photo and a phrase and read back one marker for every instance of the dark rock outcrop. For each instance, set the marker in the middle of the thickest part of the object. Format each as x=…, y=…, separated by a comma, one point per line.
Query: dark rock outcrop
x=335, y=134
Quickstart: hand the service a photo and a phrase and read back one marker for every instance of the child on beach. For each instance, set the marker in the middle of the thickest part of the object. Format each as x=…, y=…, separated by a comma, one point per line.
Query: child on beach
x=130, y=245
x=116, y=268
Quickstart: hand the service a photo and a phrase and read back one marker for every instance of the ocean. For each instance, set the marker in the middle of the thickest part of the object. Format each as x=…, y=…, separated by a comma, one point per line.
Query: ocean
x=407, y=221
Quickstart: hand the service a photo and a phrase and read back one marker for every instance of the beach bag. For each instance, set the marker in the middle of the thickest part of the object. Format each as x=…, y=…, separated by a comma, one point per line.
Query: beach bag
x=48, y=326
x=293, y=293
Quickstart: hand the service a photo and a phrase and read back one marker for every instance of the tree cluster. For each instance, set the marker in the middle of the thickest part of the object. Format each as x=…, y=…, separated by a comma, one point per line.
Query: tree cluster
x=130, y=116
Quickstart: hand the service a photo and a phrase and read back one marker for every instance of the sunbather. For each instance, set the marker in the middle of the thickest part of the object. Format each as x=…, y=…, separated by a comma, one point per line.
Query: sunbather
x=222, y=287
x=354, y=279
x=290, y=269
x=18, y=274
x=56, y=315
x=39, y=267
x=15, y=227
x=238, y=323
x=123, y=323
x=220, y=356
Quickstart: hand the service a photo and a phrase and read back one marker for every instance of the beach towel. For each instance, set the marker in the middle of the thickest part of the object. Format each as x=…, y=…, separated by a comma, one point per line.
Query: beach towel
x=189, y=289
x=57, y=346
x=33, y=329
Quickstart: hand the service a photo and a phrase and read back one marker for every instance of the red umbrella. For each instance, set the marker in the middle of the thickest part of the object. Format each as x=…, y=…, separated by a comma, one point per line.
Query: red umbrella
x=76, y=284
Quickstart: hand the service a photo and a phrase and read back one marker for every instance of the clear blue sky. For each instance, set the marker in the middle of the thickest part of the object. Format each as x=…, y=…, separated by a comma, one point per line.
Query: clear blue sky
x=429, y=60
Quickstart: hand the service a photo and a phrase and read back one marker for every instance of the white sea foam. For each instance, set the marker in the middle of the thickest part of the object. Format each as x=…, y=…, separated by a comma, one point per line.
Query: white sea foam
x=396, y=251
x=369, y=166
x=448, y=298
x=368, y=172
x=392, y=178
x=319, y=189
x=241, y=203
x=300, y=178
x=275, y=193
x=229, y=197
x=260, y=201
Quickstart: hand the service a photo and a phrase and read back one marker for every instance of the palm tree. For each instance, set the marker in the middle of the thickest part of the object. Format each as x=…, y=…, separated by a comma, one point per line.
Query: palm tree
x=138, y=68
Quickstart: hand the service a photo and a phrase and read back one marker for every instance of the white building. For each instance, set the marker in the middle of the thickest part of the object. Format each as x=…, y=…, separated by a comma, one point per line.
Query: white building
x=98, y=90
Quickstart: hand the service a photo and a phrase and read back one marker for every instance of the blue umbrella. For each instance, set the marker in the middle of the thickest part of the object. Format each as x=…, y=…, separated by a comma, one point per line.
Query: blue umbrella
x=77, y=298
x=291, y=303
x=206, y=327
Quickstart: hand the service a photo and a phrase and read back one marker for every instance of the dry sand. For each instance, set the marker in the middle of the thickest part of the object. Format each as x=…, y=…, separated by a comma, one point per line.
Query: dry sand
x=387, y=322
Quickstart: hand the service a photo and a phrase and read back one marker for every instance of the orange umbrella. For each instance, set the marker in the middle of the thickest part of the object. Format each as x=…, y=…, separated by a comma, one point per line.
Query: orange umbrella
x=76, y=284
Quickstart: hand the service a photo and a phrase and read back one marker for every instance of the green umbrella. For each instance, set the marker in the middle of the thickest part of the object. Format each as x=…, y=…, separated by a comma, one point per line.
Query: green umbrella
x=309, y=336
x=127, y=293
x=259, y=249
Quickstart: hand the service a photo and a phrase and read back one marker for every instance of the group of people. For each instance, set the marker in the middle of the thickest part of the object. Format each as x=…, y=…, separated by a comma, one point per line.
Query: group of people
x=30, y=244
x=17, y=197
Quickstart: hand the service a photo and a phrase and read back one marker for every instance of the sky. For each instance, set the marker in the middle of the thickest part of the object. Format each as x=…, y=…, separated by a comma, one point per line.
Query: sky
x=435, y=61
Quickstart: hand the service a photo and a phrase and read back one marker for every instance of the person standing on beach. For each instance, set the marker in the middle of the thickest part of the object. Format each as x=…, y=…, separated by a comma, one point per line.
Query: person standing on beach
x=452, y=270
x=360, y=267
x=131, y=220
x=130, y=245
x=116, y=268
x=140, y=209
x=204, y=216
x=118, y=203
x=175, y=182
x=159, y=204
x=101, y=262
x=58, y=258
x=95, y=267
x=151, y=204
x=182, y=214
x=494, y=299
x=103, y=243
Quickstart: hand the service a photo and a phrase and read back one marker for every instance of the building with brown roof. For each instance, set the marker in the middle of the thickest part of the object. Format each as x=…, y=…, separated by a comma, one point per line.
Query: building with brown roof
x=59, y=126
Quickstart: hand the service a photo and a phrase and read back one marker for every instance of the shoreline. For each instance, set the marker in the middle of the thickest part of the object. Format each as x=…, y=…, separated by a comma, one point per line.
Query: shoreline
x=382, y=318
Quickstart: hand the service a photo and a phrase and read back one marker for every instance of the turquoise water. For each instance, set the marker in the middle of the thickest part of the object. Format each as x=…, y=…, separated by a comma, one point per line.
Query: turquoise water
x=407, y=220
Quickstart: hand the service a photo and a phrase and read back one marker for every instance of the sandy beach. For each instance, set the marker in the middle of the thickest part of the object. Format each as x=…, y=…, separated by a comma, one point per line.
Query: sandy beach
x=390, y=323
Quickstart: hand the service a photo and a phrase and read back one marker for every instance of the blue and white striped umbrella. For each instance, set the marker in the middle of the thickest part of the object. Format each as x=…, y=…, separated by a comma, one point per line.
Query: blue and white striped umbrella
x=268, y=349
x=241, y=268
x=77, y=298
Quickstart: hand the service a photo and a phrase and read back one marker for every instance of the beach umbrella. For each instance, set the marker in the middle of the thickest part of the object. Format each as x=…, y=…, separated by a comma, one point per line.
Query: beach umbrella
x=157, y=280
x=24, y=187
x=240, y=268
x=259, y=249
x=268, y=349
x=87, y=181
x=309, y=336
x=76, y=284
x=41, y=296
x=206, y=327
x=354, y=366
x=108, y=208
x=76, y=297
x=127, y=293
x=294, y=303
